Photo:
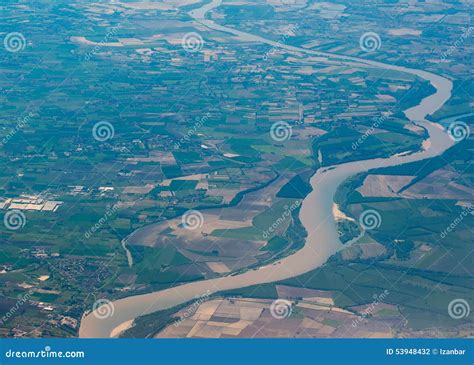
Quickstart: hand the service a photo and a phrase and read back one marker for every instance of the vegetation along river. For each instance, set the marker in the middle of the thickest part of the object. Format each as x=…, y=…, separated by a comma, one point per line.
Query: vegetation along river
x=316, y=209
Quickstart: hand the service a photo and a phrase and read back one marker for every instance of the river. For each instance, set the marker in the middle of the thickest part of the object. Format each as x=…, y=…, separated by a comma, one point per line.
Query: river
x=316, y=209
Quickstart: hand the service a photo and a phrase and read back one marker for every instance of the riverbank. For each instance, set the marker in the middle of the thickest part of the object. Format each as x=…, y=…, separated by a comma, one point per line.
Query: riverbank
x=316, y=210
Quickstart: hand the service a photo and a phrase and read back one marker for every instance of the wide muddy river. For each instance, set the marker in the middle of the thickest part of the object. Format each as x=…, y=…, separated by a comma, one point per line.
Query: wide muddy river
x=316, y=209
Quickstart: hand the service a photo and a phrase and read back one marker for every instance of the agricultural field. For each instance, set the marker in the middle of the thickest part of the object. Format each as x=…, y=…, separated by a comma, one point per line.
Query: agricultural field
x=136, y=160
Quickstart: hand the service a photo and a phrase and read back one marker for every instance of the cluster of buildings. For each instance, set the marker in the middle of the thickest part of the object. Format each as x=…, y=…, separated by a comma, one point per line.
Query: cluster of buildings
x=30, y=202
